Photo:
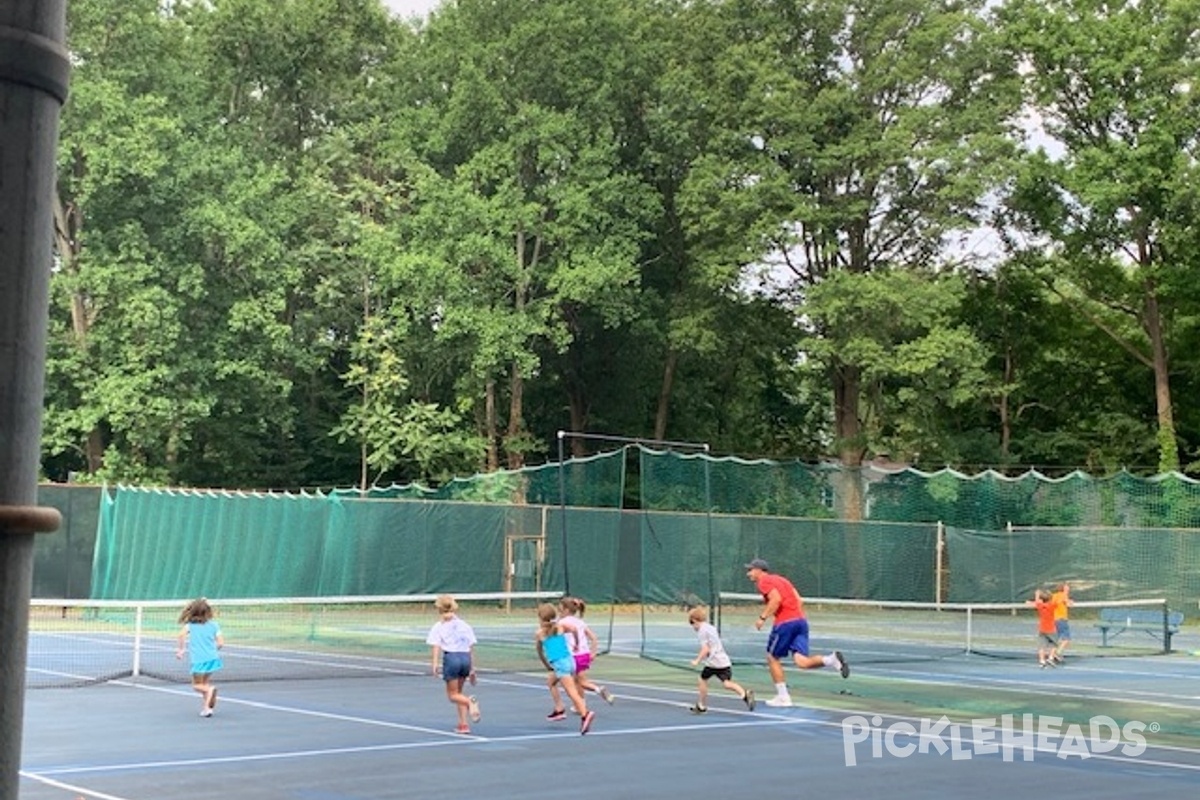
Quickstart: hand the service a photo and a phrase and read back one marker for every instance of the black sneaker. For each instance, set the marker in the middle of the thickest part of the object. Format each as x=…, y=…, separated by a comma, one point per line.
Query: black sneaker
x=843, y=665
x=749, y=699
x=698, y=709
x=557, y=716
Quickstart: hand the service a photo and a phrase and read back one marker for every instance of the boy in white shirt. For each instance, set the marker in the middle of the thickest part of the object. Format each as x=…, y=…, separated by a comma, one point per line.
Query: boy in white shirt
x=717, y=663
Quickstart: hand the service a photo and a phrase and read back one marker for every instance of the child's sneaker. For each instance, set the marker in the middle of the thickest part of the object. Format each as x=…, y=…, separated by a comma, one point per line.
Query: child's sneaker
x=207, y=712
x=558, y=715
x=585, y=724
x=843, y=665
x=473, y=709
x=607, y=695
x=749, y=699
x=698, y=709
x=780, y=701
x=463, y=729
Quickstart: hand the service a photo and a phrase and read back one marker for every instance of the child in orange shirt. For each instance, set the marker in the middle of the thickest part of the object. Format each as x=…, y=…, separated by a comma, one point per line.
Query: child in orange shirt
x=1045, y=603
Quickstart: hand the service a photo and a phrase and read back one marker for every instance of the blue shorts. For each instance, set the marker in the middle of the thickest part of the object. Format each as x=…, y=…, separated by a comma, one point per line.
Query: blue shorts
x=563, y=667
x=1063, y=628
x=456, y=666
x=789, y=637
x=206, y=667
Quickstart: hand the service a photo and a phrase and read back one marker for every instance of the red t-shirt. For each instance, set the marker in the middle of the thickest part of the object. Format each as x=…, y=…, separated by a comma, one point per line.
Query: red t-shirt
x=791, y=606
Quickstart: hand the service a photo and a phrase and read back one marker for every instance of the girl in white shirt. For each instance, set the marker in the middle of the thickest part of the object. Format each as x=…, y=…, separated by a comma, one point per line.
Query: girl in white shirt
x=453, y=644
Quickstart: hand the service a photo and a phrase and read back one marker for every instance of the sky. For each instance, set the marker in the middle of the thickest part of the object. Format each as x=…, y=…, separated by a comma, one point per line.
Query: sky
x=407, y=8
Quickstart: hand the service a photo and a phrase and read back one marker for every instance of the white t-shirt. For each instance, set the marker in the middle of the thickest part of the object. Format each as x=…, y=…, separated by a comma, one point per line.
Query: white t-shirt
x=717, y=657
x=452, y=636
x=583, y=646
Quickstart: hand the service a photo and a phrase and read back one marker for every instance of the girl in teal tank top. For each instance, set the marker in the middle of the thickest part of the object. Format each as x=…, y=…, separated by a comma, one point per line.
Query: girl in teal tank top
x=555, y=654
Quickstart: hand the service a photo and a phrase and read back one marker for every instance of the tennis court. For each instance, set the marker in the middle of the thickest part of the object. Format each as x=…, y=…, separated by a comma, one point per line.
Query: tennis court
x=392, y=735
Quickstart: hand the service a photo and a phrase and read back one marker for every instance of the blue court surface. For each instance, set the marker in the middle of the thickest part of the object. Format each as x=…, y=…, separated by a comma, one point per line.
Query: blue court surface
x=378, y=738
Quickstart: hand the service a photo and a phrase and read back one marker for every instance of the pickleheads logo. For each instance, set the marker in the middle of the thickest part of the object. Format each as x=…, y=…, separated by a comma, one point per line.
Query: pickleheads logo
x=1007, y=736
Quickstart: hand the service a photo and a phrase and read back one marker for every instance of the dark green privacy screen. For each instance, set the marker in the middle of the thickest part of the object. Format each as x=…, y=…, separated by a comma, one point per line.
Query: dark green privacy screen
x=638, y=525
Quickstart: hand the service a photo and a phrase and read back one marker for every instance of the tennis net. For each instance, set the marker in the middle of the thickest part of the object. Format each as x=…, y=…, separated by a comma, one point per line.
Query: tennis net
x=79, y=642
x=891, y=632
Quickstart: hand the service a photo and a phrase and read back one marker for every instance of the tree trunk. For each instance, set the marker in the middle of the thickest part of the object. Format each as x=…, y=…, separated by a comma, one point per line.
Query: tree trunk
x=664, y=395
x=489, y=426
x=1005, y=412
x=68, y=224
x=516, y=457
x=1168, y=445
x=577, y=407
x=847, y=387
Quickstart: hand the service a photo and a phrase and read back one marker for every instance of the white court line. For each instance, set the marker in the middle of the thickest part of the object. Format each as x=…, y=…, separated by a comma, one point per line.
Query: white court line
x=67, y=787
x=304, y=712
x=459, y=741
x=1031, y=686
x=772, y=718
x=764, y=720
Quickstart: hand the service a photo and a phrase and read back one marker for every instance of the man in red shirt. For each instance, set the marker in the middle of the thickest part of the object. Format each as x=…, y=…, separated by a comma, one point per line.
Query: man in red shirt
x=789, y=631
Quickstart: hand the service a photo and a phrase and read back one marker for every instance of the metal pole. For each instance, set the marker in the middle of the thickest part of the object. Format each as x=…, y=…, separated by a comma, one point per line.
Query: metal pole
x=708, y=511
x=34, y=68
x=562, y=513
x=938, y=554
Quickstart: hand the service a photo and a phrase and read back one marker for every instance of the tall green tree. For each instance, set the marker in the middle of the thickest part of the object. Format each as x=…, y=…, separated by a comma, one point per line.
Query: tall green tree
x=530, y=212
x=864, y=136
x=1115, y=88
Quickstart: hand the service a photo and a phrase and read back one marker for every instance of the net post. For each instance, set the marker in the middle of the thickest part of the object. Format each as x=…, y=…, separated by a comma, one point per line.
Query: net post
x=1012, y=579
x=938, y=576
x=138, y=619
x=970, y=644
x=1166, y=620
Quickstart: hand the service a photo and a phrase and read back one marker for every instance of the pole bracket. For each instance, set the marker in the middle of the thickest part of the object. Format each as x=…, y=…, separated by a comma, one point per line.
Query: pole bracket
x=29, y=59
x=29, y=519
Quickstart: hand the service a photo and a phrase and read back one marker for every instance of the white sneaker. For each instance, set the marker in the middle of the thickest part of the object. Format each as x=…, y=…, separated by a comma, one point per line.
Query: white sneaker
x=473, y=709
x=780, y=701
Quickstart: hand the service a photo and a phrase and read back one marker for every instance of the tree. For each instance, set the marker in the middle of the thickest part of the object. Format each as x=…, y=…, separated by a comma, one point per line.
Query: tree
x=529, y=213
x=864, y=135
x=1115, y=87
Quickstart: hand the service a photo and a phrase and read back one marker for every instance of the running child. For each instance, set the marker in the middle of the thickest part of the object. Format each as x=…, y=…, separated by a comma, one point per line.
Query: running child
x=1062, y=621
x=571, y=611
x=555, y=654
x=717, y=663
x=201, y=638
x=453, y=646
x=1045, y=604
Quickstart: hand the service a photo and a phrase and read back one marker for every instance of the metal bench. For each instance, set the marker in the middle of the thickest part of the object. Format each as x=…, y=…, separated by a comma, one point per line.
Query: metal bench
x=1161, y=625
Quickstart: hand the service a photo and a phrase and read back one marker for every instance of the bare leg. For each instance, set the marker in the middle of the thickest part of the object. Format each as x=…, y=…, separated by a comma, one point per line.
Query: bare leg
x=576, y=696
x=775, y=667
x=202, y=685
x=461, y=702
x=555, y=695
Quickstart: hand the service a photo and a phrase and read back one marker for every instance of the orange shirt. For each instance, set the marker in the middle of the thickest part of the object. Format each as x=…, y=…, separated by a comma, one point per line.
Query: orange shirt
x=1045, y=609
x=791, y=606
x=1060, y=601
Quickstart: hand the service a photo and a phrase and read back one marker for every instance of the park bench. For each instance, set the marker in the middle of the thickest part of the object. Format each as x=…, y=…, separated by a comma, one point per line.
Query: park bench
x=1115, y=621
